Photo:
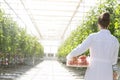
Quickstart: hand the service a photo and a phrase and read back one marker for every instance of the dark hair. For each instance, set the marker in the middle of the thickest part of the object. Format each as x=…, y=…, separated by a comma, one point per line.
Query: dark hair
x=104, y=20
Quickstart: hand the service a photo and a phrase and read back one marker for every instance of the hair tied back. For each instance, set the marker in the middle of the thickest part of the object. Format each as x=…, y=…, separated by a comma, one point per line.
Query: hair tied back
x=105, y=16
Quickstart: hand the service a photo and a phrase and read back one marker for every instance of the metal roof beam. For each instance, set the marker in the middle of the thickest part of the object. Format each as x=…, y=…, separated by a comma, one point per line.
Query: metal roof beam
x=65, y=1
x=31, y=18
x=71, y=19
x=14, y=12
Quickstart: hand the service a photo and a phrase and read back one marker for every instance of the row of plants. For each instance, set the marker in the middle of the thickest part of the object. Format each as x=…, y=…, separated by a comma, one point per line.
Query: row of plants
x=89, y=25
x=15, y=44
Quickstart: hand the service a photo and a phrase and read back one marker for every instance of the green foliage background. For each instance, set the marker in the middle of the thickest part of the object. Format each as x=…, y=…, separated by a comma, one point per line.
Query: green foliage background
x=14, y=41
x=90, y=26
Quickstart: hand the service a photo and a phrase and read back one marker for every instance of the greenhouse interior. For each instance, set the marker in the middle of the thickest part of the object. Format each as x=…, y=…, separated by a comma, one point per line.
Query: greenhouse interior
x=37, y=35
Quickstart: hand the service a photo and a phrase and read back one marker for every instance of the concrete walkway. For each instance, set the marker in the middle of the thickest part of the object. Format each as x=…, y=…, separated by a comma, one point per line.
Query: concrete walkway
x=48, y=70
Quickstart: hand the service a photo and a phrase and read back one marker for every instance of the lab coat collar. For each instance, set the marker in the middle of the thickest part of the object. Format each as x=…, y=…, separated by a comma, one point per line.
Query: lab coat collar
x=104, y=31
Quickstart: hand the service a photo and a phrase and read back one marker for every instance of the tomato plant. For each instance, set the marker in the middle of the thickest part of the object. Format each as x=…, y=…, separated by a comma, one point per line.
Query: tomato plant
x=90, y=26
x=15, y=42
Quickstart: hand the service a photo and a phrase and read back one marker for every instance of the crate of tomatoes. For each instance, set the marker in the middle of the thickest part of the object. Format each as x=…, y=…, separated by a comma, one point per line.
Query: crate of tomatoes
x=81, y=61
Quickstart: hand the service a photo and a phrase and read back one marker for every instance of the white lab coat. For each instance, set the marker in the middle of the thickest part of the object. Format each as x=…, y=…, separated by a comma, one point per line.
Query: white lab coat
x=104, y=49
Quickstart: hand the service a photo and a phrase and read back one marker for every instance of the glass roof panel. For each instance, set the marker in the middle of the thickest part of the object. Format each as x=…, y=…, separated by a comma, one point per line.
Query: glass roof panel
x=48, y=19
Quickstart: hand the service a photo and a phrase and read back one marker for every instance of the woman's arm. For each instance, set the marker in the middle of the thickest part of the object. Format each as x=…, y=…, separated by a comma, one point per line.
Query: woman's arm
x=115, y=56
x=81, y=48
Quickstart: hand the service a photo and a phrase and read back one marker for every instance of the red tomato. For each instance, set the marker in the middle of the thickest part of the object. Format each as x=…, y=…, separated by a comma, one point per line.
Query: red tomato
x=82, y=57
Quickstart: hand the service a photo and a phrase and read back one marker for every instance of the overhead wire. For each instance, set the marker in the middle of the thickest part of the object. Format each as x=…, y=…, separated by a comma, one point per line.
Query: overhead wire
x=71, y=19
x=15, y=13
x=31, y=18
